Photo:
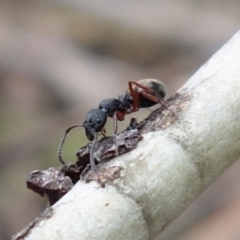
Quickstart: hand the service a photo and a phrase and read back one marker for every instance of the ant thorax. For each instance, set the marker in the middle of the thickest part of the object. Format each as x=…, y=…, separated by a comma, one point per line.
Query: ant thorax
x=125, y=103
x=109, y=106
x=112, y=105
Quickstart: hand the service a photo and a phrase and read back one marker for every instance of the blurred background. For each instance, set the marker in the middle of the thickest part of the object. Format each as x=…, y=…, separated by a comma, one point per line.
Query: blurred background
x=58, y=59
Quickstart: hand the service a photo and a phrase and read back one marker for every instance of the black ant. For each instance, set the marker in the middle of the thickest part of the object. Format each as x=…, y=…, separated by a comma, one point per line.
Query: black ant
x=140, y=94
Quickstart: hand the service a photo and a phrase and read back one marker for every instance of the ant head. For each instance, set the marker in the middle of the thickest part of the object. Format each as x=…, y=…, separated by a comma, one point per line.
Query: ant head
x=94, y=123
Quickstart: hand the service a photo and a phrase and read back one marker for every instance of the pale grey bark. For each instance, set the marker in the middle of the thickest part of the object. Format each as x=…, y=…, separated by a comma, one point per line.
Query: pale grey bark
x=167, y=170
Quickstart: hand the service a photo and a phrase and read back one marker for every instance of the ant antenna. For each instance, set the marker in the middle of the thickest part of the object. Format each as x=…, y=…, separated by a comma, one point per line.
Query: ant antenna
x=63, y=140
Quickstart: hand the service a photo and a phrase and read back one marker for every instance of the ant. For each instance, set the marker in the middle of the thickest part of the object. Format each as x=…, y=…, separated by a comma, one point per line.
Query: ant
x=140, y=94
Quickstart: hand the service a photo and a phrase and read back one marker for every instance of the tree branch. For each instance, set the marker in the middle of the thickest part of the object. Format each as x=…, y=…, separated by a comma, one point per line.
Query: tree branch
x=168, y=169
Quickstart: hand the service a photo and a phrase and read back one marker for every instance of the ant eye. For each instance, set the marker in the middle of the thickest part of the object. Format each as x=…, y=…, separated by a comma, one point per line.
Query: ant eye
x=98, y=120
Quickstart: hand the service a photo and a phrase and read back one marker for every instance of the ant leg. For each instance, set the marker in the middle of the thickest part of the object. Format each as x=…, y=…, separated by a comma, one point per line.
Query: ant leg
x=63, y=140
x=103, y=132
x=117, y=116
x=148, y=93
x=115, y=123
x=115, y=127
x=92, y=161
x=134, y=95
x=84, y=172
x=151, y=95
x=156, y=99
x=140, y=85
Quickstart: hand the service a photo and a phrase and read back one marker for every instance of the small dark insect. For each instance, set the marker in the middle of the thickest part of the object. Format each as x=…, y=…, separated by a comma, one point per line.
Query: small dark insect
x=93, y=124
x=140, y=94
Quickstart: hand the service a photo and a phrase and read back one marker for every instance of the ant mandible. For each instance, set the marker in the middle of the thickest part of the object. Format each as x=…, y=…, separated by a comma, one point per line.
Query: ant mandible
x=140, y=94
